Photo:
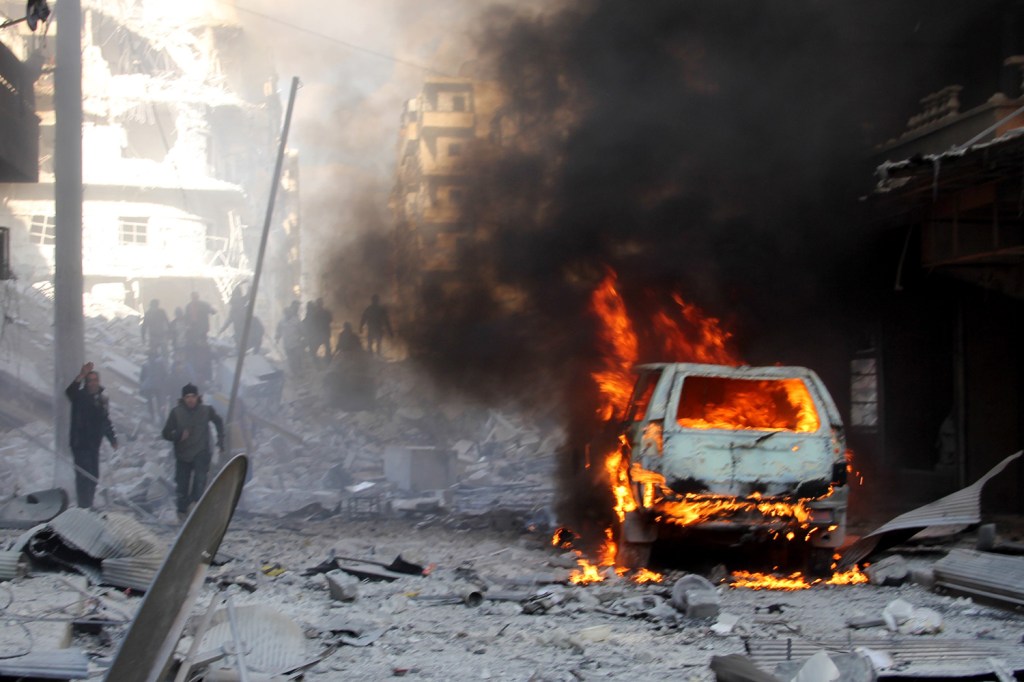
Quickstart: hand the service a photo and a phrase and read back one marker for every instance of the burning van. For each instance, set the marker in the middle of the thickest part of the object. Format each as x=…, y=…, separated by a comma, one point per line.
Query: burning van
x=735, y=454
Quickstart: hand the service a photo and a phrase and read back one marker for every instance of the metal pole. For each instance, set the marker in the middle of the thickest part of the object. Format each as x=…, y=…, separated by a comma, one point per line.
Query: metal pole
x=244, y=344
x=69, y=344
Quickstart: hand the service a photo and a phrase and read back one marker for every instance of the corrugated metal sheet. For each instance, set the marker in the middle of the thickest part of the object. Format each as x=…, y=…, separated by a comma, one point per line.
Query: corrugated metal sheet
x=136, y=573
x=22, y=540
x=104, y=536
x=954, y=657
x=274, y=642
x=995, y=576
x=58, y=664
x=961, y=508
x=12, y=565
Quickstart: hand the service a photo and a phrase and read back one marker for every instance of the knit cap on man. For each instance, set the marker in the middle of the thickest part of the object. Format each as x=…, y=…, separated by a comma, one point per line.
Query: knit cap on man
x=189, y=389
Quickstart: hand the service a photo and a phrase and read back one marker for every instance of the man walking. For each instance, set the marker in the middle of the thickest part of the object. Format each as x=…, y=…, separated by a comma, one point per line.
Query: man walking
x=376, y=322
x=157, y=326
x=188, y=427
x=90, y=422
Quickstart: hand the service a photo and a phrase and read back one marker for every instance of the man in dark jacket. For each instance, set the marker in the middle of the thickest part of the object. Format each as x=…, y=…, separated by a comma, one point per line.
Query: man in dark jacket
x=90, y=422
x=188, y=427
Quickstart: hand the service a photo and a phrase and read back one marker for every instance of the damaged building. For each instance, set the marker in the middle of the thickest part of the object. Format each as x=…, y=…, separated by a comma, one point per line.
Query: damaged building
x=450, y=120
x=937, y=391
x=181, y=117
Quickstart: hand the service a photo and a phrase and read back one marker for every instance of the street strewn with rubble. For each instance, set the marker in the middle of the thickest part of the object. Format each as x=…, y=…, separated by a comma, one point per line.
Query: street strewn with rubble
x=344, y=560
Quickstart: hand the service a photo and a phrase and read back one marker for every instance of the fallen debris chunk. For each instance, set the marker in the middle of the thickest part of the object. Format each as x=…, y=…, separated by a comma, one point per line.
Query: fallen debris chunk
x=343, y=586
x=696, y=597
x=738, y=668
x=994, y=576
x=891, y=571
x=30, y=510
x=59, y=664
x=827, y=667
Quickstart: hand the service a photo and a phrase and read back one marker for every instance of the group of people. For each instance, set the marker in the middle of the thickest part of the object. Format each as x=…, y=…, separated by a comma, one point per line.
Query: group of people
x=187, y=427
x=311, y=335
x=177, y=351
x=178, y=354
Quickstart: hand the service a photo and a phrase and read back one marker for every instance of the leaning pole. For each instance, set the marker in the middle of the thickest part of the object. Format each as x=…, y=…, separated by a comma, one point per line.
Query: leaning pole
x=243, y=344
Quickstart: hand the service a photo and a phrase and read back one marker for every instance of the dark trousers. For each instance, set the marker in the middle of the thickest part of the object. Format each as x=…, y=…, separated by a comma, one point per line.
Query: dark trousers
x=88, y=460
x=190, y=480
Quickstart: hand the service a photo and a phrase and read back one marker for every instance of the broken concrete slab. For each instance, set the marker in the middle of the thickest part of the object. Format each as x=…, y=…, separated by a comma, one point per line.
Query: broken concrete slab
x=343, y=586
x=739, y=668
x=696, y=597
x=826, y=667
x=891, y=571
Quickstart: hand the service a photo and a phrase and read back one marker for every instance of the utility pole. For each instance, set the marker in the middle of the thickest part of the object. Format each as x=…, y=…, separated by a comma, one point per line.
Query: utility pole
x=68, y=327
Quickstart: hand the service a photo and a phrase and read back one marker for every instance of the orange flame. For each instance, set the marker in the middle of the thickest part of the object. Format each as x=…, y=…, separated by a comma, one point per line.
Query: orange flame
x=695, y=337
x=775, y=405
x=710, y=342
x=621, y=348
x=794, y=581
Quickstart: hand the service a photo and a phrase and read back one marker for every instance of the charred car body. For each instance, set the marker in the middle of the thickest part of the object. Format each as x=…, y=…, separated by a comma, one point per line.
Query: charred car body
x=736, y=454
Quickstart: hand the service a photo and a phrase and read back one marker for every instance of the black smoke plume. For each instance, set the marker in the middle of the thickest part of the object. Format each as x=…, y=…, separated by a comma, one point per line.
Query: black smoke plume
x=715, y=149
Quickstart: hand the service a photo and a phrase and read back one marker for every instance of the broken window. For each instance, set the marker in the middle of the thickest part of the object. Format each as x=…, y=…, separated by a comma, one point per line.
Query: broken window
x=864, y=392
x=642, y=393
x=455, y=197
x=458, y=103
x=42, y=230
x=762, y=404
x=132, y=230
x=455, y=149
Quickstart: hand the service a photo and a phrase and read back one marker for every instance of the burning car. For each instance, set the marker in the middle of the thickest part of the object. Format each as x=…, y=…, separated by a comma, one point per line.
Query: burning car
x=737, y=454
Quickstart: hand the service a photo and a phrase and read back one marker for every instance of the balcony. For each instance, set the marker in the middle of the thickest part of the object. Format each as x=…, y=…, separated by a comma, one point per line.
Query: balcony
x=446, y=120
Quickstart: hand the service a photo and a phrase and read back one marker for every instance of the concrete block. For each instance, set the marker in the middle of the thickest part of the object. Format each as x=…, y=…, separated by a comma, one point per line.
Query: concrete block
x=419, y=468
x=695, y=597
x=343, y=587
x=891, y=570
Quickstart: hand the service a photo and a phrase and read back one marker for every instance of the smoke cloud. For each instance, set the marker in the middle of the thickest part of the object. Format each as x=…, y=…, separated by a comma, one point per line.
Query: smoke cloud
x=714, y=149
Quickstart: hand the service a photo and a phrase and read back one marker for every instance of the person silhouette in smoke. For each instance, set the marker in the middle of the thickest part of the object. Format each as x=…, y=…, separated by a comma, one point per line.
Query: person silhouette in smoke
x=376, y=322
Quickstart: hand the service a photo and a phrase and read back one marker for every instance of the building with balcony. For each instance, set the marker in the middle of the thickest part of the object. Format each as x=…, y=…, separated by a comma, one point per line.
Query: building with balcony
x=440, y=130
x=181, y=119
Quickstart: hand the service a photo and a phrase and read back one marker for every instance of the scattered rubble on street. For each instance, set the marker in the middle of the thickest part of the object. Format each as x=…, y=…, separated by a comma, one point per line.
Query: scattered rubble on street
x=414, y=539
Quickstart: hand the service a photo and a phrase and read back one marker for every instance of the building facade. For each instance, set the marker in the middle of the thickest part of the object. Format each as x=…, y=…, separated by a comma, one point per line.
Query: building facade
x=181, y=120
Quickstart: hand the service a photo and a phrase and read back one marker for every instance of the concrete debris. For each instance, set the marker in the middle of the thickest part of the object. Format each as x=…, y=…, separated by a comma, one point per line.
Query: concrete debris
x=738, y=668
x=695, y=597
x=996, y=577
x=892, y=571
x=826, y=667
x=902, y=617
x=343, y=586
x=30, y=510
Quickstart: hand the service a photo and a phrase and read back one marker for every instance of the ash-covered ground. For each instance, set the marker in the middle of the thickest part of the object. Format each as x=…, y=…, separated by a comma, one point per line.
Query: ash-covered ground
x=319, y=498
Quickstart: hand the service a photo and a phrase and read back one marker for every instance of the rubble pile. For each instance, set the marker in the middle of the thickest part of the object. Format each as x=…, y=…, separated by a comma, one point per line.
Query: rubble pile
x=306, y=454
